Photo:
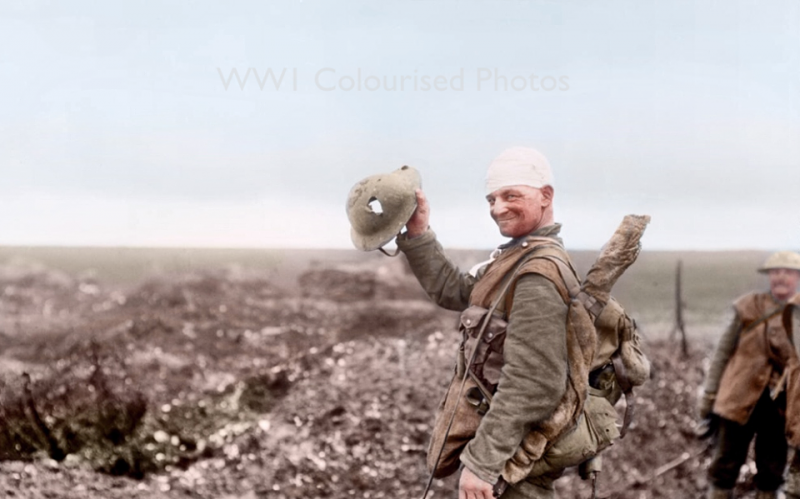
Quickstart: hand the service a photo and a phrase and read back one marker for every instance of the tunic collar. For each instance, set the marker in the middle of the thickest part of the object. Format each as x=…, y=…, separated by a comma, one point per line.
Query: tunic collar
x=550, y=231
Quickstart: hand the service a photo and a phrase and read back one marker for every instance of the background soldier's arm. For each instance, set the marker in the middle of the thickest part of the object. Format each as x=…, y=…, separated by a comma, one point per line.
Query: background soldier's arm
x=725, y=348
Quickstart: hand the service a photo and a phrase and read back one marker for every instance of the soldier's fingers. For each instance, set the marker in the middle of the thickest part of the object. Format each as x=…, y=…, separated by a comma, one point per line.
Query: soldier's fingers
x=422, y=201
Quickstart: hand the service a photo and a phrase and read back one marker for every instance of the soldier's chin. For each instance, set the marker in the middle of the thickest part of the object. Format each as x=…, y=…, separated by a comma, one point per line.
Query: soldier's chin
x=503, y=232
x=510, y=232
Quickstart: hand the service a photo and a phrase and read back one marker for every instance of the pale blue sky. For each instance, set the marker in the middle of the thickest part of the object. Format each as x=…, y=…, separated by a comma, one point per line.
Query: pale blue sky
x=117, y=129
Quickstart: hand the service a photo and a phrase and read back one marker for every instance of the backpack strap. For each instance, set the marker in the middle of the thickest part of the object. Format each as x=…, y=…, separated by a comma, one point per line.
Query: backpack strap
x=537, y=263
x=570, y=277
x=627, y=389
x=764, y=318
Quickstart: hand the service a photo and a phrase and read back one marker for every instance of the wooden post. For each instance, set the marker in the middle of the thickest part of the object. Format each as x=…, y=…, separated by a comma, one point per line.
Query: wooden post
x=679, y=325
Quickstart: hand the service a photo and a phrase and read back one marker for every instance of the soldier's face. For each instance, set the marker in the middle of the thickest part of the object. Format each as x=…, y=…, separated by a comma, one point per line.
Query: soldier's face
x=783, y=282
x=519, y=210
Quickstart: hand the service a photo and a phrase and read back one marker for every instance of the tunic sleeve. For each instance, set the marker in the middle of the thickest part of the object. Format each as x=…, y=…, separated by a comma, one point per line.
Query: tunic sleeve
x=447, y=286
x=725, y=348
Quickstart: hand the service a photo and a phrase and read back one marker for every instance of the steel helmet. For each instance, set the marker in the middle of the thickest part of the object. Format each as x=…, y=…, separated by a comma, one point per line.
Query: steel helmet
x=379, y=206
x=782, y=260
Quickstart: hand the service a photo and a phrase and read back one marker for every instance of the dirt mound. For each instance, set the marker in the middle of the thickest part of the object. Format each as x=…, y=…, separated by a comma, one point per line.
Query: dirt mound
x=31, y=291
x=391, y=280
x=338, y=285
x=202, y=291
x=83, y=406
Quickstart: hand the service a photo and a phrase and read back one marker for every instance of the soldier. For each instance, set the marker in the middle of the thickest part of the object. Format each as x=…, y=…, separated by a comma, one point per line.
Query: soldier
x=537, y=372
x=745, y=383
x=792, y=322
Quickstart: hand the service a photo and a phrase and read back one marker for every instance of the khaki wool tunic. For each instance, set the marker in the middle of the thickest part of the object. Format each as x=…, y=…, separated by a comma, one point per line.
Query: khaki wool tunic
x=535, y=375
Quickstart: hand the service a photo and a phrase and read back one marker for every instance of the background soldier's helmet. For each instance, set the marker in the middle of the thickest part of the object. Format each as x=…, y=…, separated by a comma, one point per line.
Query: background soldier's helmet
x=782, y=260
x=379, y=206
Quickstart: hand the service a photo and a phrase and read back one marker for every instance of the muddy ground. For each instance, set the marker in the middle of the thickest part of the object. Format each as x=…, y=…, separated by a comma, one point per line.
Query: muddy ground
x=226, y=384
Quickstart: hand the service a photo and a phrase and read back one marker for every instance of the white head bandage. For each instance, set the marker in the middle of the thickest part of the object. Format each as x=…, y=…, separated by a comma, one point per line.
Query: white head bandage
x=518, y=166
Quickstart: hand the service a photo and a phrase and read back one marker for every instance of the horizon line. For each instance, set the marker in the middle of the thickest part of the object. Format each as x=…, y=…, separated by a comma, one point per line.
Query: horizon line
x=322, y=248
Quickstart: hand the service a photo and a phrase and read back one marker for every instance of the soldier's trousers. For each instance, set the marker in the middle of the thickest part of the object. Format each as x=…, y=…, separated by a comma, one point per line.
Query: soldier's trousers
x=792, y=487
x=768, y=424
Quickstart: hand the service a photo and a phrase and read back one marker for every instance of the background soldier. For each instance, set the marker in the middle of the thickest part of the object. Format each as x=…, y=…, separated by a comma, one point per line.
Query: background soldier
x=745, y=383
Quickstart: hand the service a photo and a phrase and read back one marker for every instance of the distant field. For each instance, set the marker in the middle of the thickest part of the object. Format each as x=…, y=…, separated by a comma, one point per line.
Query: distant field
x=711, y=280
x=131, y=265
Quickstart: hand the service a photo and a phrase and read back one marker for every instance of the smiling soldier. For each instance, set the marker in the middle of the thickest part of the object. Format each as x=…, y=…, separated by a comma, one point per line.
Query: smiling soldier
x=530, y=378
x=746, y=380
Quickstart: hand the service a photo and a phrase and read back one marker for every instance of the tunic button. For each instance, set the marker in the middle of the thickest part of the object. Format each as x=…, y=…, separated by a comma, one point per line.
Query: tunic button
x=490, y=335
x=525, y=244
x=469, y=321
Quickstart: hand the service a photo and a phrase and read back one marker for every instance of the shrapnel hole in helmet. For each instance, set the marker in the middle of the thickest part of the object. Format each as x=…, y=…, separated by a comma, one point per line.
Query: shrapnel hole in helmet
x=375, y=205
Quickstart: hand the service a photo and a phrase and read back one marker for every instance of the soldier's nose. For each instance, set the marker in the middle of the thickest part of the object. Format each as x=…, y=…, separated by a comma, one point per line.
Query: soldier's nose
x=498, y=208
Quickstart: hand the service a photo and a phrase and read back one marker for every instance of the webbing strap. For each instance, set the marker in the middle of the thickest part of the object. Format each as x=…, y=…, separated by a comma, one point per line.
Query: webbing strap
x=484, y=391
x=591, y=303
x=769, y=315
x=396, y=252
x=568, y=274
x=627, y=389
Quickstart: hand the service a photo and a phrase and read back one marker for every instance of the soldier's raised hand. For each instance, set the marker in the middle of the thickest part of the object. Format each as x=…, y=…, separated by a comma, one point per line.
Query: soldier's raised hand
x=420, y=220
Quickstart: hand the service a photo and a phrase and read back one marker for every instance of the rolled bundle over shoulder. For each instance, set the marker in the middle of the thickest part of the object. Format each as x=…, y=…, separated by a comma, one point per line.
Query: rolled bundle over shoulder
x=617, y=337
x=616, y=256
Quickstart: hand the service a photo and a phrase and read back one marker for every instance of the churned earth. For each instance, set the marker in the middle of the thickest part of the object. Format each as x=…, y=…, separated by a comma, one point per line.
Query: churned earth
x=224, y=384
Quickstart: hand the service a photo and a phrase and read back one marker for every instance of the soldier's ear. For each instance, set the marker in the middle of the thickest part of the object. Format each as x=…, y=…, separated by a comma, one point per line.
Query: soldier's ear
x=547, y=194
